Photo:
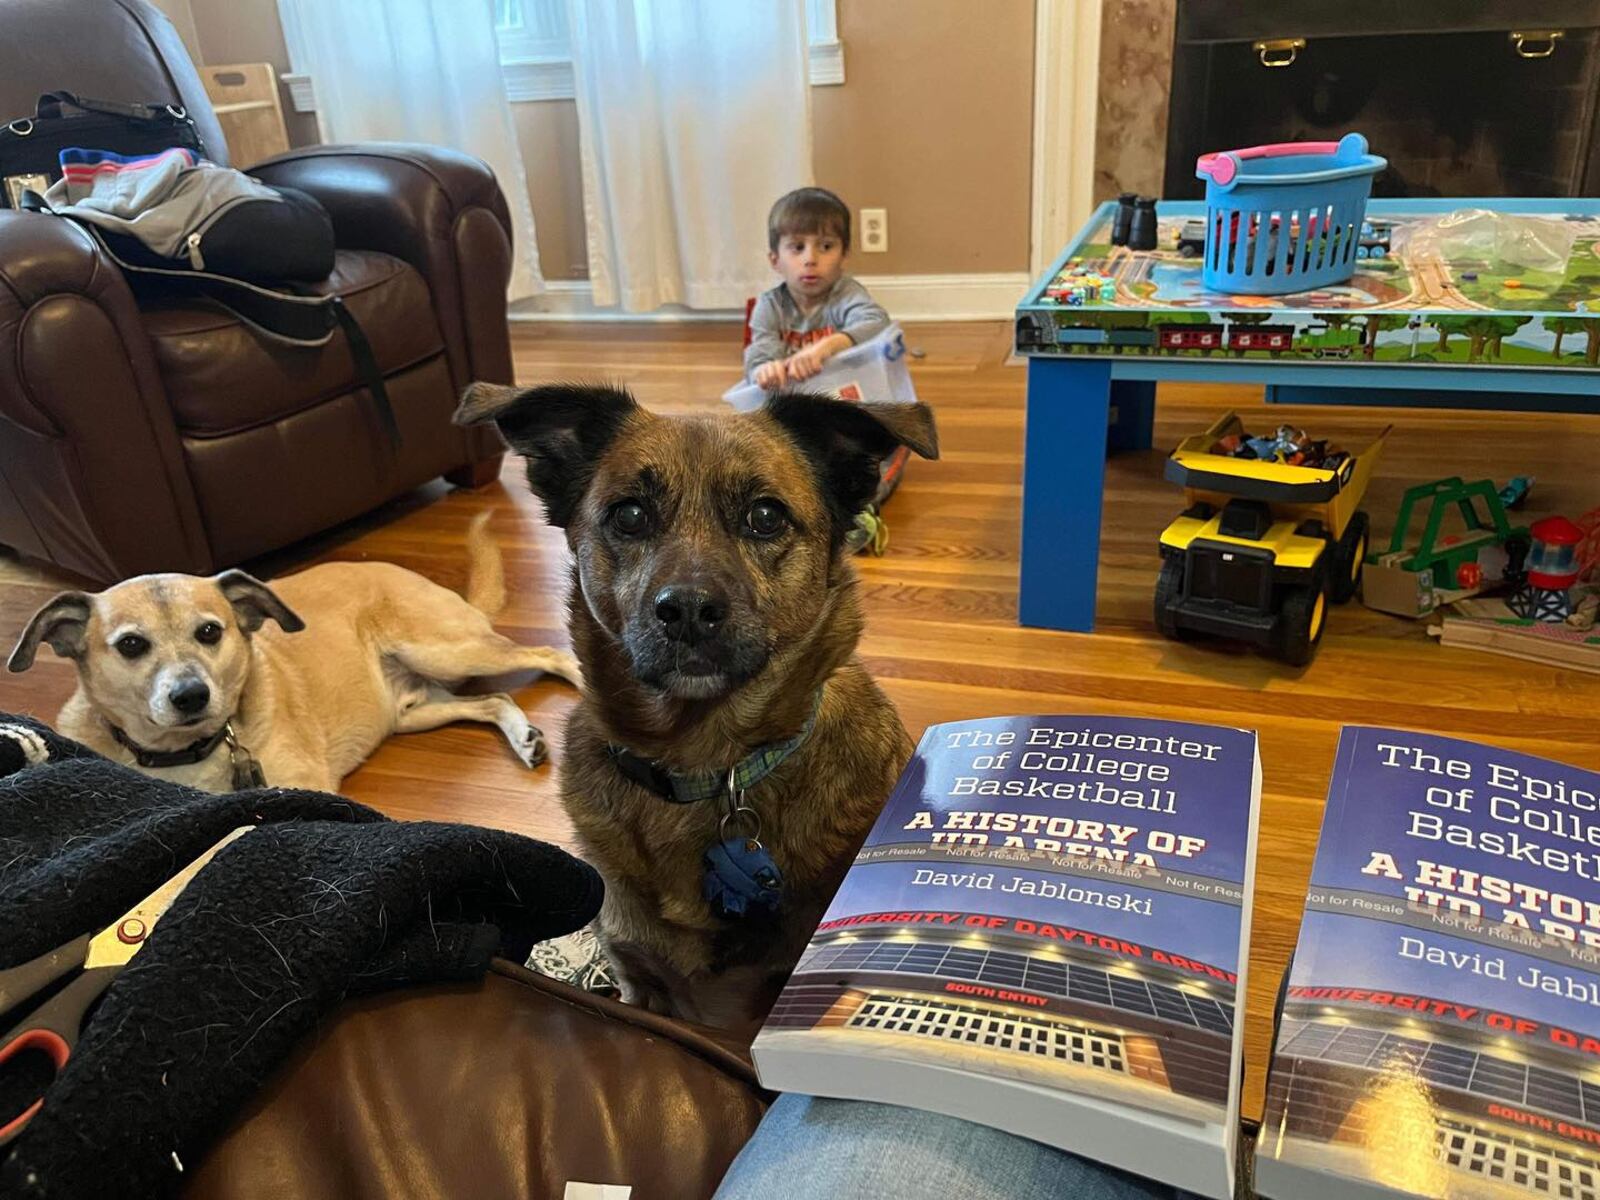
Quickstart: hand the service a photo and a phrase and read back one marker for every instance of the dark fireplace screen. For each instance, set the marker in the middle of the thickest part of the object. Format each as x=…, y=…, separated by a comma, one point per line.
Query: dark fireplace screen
x=1457, y=112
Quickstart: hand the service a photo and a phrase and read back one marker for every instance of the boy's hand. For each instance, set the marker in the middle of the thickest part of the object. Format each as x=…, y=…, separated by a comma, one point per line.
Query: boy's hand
x=769, y=375
x=805, y=363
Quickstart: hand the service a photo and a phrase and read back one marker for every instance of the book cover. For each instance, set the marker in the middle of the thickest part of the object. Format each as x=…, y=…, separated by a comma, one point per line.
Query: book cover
x=1046, y=931
x=1440, y=1032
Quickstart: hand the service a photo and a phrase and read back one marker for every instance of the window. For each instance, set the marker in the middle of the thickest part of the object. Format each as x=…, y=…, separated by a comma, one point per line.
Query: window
x=531, y=29
x=822, y=31
x=536, y=50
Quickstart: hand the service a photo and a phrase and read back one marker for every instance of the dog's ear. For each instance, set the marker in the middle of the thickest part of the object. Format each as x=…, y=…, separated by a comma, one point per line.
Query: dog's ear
x=254, y=603
x=562, y=430
x=847, y=442
x=63, y=623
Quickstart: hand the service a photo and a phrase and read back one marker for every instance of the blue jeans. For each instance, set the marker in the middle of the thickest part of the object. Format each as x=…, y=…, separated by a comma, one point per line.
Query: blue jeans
x=807, y=1147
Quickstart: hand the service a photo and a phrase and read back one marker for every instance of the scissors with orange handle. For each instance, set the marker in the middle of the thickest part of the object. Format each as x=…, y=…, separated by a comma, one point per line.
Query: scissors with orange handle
x=53, y=1027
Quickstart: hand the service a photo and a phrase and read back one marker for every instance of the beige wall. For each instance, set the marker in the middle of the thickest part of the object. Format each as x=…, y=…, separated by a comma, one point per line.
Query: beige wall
x=547, y=131
x=934, y=123
x=182, y=18
x=247, y=31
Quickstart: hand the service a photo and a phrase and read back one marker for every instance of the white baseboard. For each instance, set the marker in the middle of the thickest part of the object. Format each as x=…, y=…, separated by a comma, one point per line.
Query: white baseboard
x=989, y=297
x=948, y=297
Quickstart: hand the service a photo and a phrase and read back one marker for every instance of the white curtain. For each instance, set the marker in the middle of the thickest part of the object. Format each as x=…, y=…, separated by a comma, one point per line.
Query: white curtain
x=417, y=71
x=693, y=117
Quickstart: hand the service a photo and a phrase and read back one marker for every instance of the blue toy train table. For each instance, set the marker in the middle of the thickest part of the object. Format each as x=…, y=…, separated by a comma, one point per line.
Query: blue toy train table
x=1418, y=325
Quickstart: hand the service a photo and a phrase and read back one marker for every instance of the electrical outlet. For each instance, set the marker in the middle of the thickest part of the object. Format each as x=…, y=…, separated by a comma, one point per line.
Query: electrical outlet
x=874, y=230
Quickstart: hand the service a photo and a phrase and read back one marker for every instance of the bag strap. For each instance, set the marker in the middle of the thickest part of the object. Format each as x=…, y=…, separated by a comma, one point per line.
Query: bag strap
x=367, y=368
x=51, y=103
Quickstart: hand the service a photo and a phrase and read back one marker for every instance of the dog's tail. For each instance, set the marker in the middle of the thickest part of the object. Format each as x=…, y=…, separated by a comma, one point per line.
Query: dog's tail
x=486, y=569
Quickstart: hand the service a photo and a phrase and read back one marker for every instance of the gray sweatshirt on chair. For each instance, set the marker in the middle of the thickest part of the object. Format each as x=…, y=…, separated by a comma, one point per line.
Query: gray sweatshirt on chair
x=778, y=328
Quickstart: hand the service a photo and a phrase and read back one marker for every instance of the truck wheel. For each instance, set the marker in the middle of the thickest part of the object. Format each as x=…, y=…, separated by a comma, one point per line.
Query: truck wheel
x=1349, y=558
x=1169, y=590
x=1301, y=620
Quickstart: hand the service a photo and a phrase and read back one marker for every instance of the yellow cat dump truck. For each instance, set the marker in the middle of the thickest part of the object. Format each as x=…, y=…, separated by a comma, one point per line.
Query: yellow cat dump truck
x=1263, y=546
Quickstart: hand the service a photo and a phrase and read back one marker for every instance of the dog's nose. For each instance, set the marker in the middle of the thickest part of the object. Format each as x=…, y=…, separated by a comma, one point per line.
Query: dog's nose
x=189, y=696
x=690, y=613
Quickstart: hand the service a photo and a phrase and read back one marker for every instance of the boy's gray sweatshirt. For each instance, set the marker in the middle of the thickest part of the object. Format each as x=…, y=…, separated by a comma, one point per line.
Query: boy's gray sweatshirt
x=778, y=328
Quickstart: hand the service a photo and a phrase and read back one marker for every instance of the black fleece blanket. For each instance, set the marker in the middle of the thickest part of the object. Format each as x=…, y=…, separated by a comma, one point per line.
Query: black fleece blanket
x=325, y=899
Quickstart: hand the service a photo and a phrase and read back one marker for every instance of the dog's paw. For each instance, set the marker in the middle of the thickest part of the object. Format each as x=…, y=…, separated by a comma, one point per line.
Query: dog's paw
x=532, y=748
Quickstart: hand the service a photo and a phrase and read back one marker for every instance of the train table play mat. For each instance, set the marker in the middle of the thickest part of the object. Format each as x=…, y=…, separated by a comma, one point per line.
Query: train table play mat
x=1415, y=298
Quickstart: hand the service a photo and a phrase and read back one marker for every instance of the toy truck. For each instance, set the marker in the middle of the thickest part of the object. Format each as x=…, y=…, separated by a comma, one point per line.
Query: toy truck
x=1485, y=550
x=1263, y=546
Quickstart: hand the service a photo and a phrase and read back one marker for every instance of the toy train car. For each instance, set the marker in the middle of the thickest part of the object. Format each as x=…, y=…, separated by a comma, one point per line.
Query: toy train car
x=1173, y=338
x=1319, y=341
x=1375, y=239
x=1275, y=338
x=1192, y=239
x=1075, y=336
x=1322, y=341
x=1167, y=337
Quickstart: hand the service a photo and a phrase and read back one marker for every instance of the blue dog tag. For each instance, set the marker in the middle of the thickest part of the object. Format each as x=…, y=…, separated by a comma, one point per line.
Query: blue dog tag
x=741, y=878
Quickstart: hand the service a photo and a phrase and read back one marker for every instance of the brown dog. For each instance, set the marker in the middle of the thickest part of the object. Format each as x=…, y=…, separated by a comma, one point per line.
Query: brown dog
x=714, y=613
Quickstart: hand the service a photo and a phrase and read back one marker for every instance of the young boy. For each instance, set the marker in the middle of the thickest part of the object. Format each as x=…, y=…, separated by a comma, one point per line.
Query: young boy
x=817, y=310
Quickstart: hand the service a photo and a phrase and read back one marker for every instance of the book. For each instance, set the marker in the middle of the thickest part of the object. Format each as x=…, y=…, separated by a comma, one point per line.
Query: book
x=1439, y=1034
x=1046, y=931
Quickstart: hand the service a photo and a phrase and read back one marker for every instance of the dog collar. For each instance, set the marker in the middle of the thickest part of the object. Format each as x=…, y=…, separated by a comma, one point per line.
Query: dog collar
x=246, y=771
x=188, y=756
x=690, y=787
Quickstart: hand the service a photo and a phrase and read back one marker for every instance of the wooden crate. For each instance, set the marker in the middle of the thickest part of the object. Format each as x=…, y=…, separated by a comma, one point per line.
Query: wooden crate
x=245, y=99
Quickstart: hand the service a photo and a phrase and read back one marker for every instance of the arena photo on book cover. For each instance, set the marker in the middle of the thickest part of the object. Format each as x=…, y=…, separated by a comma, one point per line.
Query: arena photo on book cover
x=1038, y=1009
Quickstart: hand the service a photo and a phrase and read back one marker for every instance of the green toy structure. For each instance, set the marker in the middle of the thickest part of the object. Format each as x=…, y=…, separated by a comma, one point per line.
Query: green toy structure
x=1441, y=567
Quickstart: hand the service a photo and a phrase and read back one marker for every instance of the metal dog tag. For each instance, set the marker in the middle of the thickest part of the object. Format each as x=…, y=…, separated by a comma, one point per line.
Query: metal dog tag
x=247, y=772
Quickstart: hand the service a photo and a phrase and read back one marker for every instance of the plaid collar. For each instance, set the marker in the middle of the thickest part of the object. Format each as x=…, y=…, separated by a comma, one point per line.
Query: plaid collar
x=693, y=786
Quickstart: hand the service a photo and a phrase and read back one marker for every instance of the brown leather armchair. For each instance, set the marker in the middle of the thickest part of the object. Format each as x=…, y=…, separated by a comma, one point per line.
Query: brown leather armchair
x=165, y=436
x=504, y=1090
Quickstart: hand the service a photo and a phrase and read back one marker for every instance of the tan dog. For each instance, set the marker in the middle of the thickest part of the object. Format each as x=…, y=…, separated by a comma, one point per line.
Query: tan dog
x=715, y=613
x=179, y=674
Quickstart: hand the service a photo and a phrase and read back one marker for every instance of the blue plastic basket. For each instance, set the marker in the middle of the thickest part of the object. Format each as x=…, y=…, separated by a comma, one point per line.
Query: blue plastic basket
x=1286, y=217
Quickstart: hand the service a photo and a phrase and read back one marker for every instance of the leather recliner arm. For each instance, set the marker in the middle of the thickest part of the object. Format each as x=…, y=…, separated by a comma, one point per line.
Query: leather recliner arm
x=438, y=210
x=92, y=473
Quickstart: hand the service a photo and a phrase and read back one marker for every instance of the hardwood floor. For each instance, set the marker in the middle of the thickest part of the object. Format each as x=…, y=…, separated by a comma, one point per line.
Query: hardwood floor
x=941, y=631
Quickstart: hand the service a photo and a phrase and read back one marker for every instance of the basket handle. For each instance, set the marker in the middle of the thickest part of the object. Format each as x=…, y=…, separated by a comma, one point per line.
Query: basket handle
x=1224, y=166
